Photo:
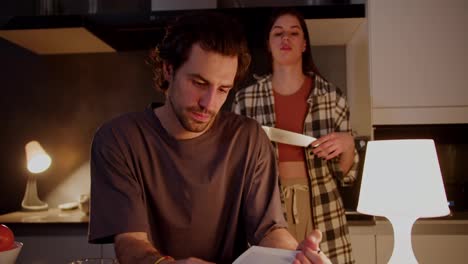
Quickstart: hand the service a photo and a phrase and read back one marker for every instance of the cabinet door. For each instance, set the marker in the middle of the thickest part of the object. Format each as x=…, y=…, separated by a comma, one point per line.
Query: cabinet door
x=108, y=251
x=56, y=248
x=418, y=53
x=363, y=248
x=428, y=249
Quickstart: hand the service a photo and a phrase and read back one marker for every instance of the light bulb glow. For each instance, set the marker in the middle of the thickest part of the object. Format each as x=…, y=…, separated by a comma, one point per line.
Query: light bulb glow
x=37, y=159
x=39, y=163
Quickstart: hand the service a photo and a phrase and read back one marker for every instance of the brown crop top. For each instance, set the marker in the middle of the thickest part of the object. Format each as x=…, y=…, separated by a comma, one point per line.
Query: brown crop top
x=290, y=111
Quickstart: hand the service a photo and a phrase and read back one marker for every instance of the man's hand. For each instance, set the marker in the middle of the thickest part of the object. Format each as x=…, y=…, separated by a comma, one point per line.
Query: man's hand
x=309, y=247
x=136, y=248
x=310, y=251
x=188, y=261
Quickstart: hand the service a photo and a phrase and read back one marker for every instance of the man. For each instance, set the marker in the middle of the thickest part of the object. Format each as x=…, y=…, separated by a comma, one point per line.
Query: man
x=183, y=180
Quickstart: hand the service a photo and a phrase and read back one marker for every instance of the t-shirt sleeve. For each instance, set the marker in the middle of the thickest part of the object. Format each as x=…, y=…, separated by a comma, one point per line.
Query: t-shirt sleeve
x=116, y=195
x=263, y=211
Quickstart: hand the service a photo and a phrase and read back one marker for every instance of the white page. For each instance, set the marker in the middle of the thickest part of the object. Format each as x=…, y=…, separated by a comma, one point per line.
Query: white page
x=264, y=255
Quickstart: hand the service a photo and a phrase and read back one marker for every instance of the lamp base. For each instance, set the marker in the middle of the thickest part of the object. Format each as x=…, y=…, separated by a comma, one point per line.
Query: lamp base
x=31, y=201
x=402, y=247
x=42, y=207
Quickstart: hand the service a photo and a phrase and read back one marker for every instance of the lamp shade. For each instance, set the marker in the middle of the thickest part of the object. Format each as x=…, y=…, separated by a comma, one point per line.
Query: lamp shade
x=37, y=159
x=402, y=178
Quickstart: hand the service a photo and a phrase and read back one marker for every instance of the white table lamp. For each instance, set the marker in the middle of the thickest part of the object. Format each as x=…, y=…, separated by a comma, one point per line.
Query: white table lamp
x=37, y=162
x=401, y=181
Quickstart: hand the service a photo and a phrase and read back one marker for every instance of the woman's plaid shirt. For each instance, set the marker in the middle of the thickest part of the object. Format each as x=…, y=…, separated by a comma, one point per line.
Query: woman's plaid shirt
x=328, y=112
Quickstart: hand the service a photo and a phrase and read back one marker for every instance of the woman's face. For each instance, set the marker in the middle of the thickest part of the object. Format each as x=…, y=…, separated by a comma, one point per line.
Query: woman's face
x=286, y=40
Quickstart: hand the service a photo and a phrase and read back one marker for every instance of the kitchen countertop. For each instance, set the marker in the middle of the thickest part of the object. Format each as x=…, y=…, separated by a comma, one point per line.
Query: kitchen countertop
x=57, y=216
x=52, y=215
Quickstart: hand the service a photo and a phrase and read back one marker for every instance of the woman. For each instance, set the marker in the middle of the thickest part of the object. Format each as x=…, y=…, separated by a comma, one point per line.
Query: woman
x=296, y=98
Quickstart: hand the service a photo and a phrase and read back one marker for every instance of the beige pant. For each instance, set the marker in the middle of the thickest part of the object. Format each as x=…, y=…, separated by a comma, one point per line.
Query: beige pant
x=298, y=210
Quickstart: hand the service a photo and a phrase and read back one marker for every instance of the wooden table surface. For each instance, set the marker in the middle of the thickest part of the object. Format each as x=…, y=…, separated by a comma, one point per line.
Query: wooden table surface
x=52, y=215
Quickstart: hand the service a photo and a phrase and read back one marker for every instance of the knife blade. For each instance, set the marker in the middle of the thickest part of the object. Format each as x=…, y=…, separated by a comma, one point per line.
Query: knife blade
x=288, y=137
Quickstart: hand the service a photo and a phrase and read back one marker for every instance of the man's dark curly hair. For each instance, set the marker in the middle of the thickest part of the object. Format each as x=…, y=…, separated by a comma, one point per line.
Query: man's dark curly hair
x=212, y=31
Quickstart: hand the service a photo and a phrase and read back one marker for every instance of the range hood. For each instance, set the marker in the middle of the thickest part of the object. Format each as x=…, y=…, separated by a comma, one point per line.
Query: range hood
x=98, y=28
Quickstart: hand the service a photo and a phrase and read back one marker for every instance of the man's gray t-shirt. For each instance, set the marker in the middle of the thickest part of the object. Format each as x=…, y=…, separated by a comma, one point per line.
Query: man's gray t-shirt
x=206, y=197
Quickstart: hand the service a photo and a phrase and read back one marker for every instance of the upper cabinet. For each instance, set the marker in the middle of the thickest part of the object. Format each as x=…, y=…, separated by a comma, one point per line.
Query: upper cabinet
x=340, y=50
x=418, y=53
x=357, y=81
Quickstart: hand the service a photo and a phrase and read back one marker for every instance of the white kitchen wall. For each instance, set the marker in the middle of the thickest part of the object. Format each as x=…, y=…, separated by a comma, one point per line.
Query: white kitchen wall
x=418, y=61
x=71, y=187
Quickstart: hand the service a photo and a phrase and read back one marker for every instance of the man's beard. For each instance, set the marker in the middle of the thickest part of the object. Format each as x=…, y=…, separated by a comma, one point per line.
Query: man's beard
x=188, y=123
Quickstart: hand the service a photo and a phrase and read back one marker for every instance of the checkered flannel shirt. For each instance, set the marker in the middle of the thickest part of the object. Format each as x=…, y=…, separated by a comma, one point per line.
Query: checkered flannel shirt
x=328, y=112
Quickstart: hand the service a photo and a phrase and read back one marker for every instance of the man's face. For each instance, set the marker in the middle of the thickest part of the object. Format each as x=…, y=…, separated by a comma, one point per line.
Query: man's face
x=199, y=88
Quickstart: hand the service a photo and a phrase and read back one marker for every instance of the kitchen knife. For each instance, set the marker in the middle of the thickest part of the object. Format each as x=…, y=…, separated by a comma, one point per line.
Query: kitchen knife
x=288, y=137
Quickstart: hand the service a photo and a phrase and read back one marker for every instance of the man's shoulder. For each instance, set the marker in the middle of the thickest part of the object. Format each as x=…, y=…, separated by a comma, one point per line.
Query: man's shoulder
x=122, y=122
x=125, y=119
x=234, y=120
x=243, y=128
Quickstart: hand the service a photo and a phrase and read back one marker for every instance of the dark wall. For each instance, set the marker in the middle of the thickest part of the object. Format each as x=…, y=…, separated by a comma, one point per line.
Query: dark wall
x=60, y=101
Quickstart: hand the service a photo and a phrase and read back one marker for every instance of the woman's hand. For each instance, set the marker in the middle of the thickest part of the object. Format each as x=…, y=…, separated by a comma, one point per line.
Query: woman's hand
x=333, y=145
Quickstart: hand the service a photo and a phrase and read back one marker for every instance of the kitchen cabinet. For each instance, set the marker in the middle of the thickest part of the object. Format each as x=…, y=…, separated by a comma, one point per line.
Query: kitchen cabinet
x=62, y=247
x=363, y=242
x=434, y=241
x=357, y=81
x=418, y=53
x=51, y=236
x=428, y=249
x=364, y=250
x=108, y=251
x=350, y=71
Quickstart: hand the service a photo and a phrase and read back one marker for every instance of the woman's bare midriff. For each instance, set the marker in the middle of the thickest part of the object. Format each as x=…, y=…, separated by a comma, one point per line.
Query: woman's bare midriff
x=292, y=169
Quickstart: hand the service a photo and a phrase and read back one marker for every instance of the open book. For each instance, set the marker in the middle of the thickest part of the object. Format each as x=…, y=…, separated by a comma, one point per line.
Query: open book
x=264, y=255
